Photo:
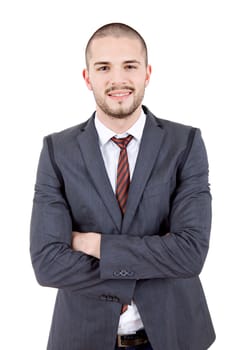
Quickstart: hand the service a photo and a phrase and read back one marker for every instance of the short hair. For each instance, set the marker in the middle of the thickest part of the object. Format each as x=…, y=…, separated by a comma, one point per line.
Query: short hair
x=116, y=30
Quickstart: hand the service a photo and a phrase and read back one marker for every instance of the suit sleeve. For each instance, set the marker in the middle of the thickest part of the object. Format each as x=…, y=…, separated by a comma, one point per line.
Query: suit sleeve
x=54, y=262
x=181, y=252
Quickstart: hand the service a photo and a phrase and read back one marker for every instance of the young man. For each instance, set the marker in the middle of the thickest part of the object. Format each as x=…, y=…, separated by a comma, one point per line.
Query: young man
x=122, y=214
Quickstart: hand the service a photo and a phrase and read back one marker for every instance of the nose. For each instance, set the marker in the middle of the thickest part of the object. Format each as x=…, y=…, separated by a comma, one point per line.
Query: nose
x=118, y=77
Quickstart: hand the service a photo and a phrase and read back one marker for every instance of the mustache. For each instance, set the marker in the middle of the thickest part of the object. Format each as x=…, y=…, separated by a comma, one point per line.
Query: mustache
x=117, y=88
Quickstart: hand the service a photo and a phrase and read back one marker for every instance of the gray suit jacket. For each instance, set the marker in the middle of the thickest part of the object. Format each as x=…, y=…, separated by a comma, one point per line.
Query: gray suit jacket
x=169, y=193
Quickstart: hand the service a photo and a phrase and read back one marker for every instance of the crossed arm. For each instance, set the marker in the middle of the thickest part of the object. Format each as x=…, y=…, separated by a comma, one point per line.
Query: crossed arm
x=88, y=243
x=72, y=262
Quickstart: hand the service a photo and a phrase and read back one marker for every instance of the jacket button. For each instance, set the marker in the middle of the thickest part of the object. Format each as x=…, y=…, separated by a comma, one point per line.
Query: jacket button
x=116, y=273
x=103, y=297
x=116, y=299
x=123, y=273
x=109, y=298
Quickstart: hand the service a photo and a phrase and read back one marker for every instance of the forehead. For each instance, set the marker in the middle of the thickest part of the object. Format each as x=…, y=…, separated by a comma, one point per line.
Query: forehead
x=111, y=48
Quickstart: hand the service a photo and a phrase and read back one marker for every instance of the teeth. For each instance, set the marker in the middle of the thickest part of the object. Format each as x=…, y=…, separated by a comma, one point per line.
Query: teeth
x=120, y=95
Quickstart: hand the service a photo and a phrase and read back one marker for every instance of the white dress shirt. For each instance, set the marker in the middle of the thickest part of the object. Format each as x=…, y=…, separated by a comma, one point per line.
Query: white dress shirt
x=130, y=321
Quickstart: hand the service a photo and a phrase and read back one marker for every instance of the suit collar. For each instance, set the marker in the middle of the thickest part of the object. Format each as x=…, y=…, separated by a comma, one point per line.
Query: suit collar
x=152, y=139
x=151, y=142
x=89, y=147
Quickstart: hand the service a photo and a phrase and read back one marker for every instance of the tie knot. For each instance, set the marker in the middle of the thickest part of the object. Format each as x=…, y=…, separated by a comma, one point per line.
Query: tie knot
x=122, y=142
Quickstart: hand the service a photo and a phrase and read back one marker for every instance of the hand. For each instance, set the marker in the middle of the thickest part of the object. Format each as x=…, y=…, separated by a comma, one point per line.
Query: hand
x=87, y=242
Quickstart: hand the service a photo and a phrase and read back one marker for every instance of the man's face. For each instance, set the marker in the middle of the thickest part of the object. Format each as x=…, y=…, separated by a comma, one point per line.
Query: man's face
x=117, y=75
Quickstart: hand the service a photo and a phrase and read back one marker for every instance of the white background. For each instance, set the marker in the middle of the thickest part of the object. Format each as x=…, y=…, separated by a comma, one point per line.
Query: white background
x=194, y=48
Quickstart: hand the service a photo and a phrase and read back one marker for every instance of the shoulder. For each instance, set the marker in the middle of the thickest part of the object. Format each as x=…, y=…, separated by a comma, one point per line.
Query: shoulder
x=175, y=131
x=67, y=136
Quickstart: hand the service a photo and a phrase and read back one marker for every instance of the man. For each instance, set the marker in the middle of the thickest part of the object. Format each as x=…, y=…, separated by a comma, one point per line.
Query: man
x=122, y=214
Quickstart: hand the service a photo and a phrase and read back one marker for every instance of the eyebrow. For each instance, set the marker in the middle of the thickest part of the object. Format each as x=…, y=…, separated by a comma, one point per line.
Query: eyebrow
x=125, y=62
x=132, y=61
x=101, y=63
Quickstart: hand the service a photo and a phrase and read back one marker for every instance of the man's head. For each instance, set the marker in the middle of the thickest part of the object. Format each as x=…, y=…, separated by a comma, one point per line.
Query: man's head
x=117, y=30
x=117, y=70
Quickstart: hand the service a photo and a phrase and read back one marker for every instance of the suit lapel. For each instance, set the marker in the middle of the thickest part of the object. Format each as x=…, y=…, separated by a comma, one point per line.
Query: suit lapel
x=89, y=146
x=152, y=139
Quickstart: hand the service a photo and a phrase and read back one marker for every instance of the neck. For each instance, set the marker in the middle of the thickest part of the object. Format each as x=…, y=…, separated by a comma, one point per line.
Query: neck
x=119, y=125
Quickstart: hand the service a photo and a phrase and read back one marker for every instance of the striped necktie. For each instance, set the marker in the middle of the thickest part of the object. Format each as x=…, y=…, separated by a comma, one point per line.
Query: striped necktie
x=123, y=172
x=123, y=179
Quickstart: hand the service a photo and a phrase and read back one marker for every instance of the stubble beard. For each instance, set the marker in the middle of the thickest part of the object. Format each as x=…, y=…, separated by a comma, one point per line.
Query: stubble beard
x=119, y=112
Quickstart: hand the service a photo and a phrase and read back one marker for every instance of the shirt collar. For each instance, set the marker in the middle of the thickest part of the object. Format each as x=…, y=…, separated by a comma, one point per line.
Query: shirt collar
x=105, y=134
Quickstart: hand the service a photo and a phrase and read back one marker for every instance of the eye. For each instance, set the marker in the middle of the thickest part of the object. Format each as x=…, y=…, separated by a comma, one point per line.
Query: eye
x=130, y=67
x=103, y=68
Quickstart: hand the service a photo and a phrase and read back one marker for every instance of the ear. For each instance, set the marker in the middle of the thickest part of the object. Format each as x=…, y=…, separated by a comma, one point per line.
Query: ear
x=148, y=74
x=86, y=77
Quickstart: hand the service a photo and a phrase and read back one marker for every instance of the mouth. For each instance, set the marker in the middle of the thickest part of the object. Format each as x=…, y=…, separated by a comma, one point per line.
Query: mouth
x=119, y=95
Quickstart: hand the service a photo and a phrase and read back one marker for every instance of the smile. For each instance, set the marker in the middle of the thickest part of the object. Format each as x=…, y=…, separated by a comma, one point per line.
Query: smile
x=119, y=95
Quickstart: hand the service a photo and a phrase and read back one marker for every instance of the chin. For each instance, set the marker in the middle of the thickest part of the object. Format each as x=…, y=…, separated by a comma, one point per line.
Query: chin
x=122, y=112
